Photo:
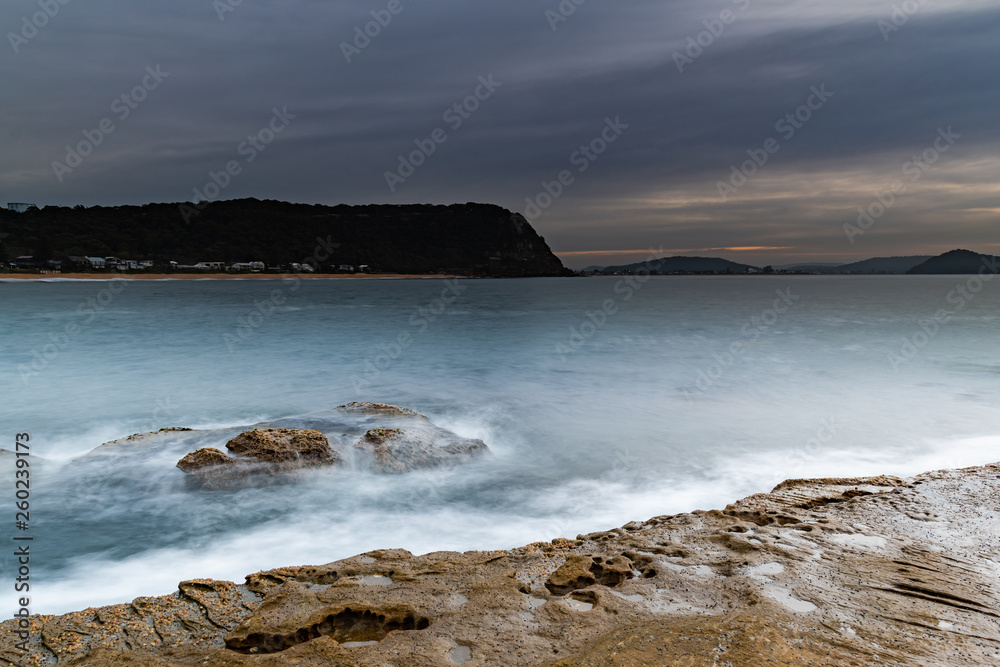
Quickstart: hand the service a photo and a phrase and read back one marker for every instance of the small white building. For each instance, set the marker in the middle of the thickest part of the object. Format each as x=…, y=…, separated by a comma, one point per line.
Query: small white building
x=97, y=262
x=210, y=266
x=255, y=267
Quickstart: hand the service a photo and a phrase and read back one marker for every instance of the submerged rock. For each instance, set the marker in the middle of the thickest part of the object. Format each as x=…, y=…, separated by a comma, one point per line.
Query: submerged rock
x=397, y=450
x=145, y=439
x=367, y=407
x=870, y=571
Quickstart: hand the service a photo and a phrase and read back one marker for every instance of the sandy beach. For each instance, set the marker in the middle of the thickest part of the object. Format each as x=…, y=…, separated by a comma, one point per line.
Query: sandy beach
x=217, y=276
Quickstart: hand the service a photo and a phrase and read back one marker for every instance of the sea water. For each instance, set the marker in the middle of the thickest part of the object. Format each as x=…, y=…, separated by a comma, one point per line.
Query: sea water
x=603, y=400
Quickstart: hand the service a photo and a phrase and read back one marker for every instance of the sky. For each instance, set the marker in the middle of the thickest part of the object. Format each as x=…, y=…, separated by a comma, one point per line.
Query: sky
x=763, y=131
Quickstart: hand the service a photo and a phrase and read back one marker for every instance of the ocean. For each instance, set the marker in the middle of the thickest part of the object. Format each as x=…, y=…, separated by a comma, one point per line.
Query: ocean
x=604, y=400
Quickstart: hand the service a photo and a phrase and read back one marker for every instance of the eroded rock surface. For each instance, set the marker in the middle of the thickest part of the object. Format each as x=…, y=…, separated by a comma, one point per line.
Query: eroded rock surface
x=871, y=571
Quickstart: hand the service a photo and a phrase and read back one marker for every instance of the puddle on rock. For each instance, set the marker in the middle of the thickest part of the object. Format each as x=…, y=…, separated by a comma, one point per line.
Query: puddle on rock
x=790, y=601
x=460, y=655
x=762, y=572
x=375, y=580
x=630, y=598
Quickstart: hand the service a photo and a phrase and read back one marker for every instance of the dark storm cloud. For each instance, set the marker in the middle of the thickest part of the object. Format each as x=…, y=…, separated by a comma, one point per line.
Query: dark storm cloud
x=655, y=185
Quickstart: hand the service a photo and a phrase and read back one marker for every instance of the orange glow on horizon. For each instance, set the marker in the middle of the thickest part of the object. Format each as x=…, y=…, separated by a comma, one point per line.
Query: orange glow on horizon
x=577, y=253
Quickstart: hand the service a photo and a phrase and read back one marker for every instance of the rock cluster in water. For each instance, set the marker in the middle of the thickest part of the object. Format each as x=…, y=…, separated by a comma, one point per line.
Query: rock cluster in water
x=271, y=450
x=868, y=571
x=408, y=441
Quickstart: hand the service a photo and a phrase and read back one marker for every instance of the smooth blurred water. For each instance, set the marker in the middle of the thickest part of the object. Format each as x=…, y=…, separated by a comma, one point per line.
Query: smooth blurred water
x=652, y=410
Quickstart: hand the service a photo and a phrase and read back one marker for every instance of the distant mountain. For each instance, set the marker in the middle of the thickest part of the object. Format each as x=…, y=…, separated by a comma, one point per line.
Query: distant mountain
x=809, y=268
x=667, y=265
x=957, y=262
x=883, y=265
x=592, y=269
x=466, y=239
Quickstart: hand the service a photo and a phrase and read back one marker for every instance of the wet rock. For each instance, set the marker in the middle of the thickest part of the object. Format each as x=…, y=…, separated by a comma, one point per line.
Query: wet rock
x=398, y=450
x=284, y=446
x=204, y=458
x=260, y=456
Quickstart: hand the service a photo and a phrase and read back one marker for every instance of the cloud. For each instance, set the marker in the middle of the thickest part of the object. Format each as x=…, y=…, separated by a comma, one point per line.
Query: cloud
x=656, y=185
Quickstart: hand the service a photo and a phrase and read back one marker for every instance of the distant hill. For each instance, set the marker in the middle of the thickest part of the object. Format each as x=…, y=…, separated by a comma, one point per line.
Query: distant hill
x=883, y=265
x=957, y=262
x=667, y=265
x=877, y=265
x=809, y=268
x=467, y=239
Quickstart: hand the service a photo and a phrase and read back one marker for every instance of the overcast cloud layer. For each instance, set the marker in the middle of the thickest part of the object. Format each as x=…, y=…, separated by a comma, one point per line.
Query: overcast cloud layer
x=927, y=84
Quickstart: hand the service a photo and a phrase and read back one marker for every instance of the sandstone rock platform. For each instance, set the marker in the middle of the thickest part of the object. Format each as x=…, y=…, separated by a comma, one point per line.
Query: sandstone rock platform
x=867, y=571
